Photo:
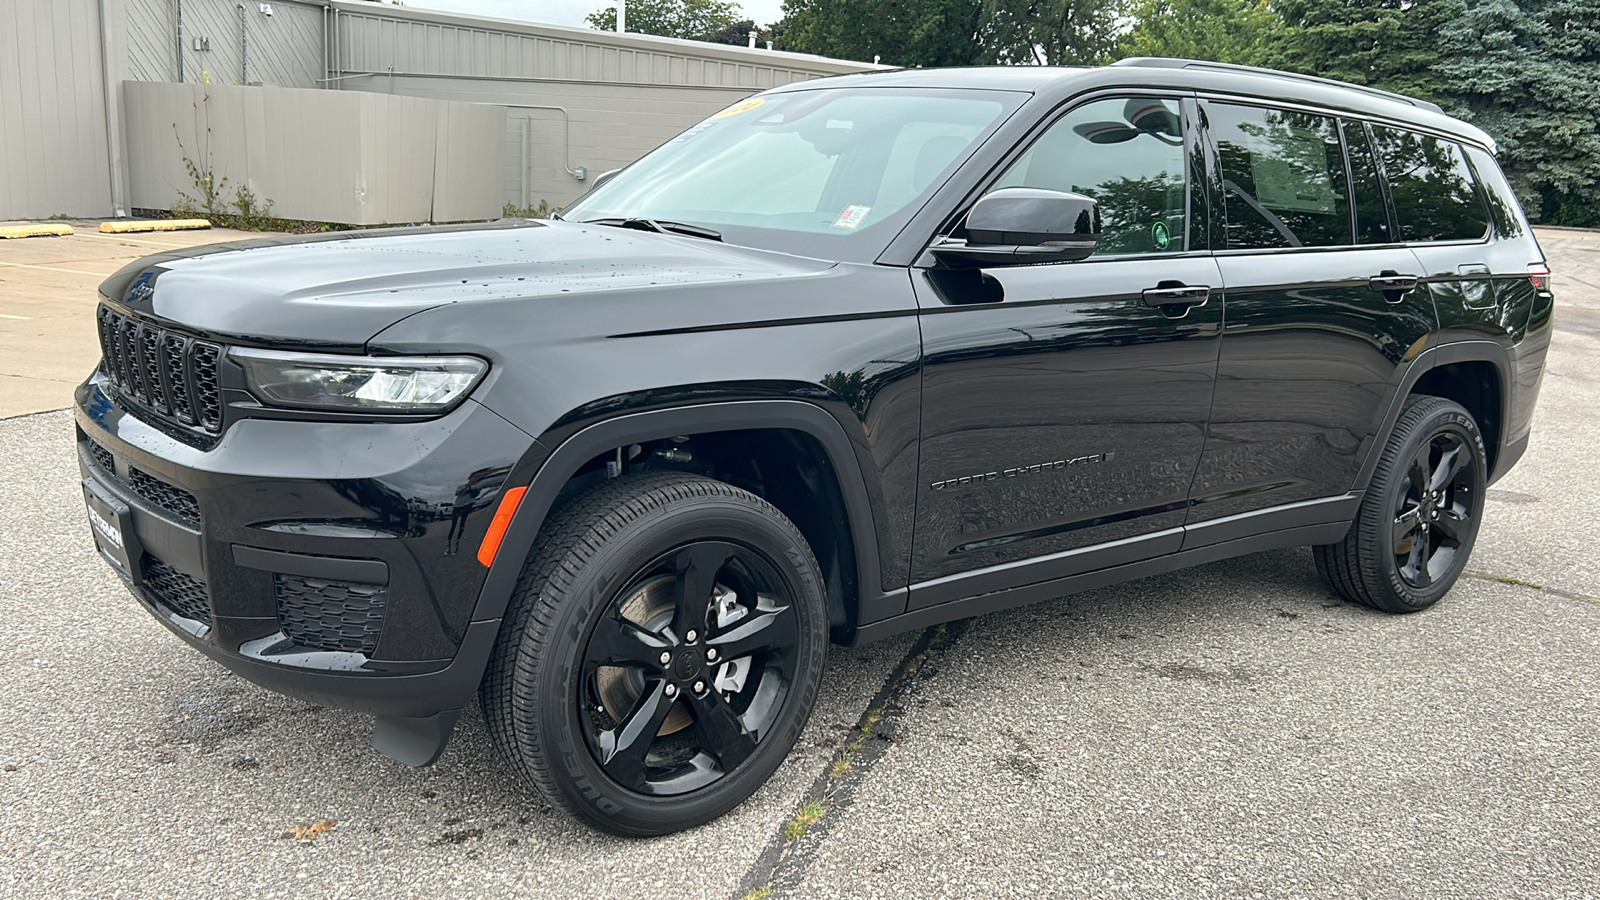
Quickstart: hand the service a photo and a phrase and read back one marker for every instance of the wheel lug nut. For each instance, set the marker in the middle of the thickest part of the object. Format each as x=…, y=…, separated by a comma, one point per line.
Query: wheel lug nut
x=672, y=690
x=711, y=653
x=690, y=637
x=665, y=657
x=699, y=687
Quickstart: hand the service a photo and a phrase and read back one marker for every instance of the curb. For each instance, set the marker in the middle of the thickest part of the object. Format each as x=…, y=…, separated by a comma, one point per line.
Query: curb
x=34, y=229
x=153, y=225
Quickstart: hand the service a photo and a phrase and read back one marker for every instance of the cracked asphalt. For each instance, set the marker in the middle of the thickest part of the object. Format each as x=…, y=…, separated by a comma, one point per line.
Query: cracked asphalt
x=1227, y=731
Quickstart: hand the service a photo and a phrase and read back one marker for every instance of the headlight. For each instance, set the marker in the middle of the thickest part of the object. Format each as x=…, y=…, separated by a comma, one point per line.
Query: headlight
x=394, y=384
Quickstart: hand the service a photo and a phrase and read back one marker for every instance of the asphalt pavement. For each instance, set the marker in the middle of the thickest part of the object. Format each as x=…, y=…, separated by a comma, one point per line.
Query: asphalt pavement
x=1230, y=730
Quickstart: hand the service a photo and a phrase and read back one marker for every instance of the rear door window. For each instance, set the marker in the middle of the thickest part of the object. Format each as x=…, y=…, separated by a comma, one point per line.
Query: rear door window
x=1283, y=178
x=1431, y=186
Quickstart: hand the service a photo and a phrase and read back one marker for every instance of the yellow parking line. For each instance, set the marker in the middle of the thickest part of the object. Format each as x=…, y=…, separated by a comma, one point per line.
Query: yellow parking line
x=18, y=318
x=54, y=269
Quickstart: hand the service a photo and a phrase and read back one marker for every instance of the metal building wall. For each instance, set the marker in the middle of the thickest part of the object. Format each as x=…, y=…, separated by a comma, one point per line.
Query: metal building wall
x=575, y=97
x=285, y=48
x=52, y=110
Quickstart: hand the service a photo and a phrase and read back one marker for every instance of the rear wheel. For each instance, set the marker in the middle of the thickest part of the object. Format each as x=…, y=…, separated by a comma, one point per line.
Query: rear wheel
x=664, y=652
x=1419, y=518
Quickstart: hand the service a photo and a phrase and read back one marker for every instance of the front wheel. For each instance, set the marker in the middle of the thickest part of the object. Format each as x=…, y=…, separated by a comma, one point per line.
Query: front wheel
x=664, y=651
x=1419, y=518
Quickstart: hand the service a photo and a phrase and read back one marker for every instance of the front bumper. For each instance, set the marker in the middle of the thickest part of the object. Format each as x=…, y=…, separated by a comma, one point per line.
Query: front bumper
x=331, y=561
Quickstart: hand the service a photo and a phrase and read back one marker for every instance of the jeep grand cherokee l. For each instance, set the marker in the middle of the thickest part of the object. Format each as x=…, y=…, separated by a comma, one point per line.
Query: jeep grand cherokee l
x=850, y=357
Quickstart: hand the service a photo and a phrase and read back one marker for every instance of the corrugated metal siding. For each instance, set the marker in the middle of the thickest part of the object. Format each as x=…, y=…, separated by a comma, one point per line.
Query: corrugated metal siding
x=371, y=42
x=151, y=40
x=52, y=110
x=284, y=49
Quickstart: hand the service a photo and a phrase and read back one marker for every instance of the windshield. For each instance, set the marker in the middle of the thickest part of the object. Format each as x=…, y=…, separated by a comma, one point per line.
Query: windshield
x=832, y=173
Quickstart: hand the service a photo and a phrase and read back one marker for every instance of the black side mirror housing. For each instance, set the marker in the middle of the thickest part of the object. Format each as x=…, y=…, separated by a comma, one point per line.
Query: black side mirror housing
x=1017, y=226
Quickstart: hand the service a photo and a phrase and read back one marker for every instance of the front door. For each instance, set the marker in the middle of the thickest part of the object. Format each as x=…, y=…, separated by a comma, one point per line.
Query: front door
x=1064, y=405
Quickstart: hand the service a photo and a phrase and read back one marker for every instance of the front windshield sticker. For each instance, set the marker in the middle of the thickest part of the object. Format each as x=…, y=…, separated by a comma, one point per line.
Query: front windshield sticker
x=741, y=106
x=694, y=131
x=851, y=217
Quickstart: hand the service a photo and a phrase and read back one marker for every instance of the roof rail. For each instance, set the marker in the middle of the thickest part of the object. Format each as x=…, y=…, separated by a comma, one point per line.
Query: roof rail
x=1153, y=62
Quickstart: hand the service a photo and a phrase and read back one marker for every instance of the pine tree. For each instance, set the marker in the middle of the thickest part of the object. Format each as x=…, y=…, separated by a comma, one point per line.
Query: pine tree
x=1529, y=74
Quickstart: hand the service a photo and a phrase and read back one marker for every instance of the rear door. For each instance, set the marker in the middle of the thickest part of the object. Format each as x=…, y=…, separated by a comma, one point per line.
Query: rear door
x=1062, y=411
x=1323, y=306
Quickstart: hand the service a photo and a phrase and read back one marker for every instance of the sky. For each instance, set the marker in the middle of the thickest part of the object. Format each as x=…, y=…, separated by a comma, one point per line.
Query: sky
x=571, y=12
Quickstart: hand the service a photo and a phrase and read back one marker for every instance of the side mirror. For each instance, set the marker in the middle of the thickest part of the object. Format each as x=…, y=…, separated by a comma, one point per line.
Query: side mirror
x=1017, y=226
x=600, y=180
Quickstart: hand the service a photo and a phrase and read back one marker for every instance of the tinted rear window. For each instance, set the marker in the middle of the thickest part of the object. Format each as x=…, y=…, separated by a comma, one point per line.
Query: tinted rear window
x=1283, y=178
x=1503, y=207
x=1434, y=198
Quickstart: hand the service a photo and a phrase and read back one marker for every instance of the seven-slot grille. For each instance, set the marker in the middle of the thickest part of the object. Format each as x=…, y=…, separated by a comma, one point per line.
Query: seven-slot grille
x=171, y=373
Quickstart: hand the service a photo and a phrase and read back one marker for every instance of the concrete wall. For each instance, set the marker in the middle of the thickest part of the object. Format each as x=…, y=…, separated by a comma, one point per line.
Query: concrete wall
x=330, y=156
x=52, y=110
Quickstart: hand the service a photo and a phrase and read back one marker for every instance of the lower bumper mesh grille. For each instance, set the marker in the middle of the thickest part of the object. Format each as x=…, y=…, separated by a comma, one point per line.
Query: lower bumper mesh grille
x=169, y=497
x=330, y=615
x=182, y=594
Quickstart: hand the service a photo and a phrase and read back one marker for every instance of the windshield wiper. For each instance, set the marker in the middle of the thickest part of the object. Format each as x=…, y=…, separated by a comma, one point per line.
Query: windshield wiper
x=662, y=226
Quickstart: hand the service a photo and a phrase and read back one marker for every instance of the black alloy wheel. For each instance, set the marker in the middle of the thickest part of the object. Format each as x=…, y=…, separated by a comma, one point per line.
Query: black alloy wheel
x=688, y=667
x=1434, y=514
x=663, y=652
x=1414, y=531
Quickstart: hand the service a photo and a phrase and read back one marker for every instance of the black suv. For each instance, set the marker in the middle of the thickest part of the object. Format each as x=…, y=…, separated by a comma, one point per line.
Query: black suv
x=850, y=357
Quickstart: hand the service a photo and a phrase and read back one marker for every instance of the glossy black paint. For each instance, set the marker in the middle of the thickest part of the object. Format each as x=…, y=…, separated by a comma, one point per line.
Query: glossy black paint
x=980, y=438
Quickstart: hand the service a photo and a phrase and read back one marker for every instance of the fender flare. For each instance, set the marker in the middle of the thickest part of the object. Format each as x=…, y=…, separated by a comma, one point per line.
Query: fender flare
x=1491, y=352
x=494, y=597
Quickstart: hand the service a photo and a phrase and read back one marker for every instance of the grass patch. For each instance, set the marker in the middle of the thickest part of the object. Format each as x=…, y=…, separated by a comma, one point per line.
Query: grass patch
x=808, y=815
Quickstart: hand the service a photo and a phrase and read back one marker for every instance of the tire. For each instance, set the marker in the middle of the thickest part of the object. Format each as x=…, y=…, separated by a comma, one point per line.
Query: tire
x=576, y=697
x=1409, y=544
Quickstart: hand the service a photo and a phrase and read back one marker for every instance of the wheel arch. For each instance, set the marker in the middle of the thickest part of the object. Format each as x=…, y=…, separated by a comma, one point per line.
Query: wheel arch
x=852, y=582
x=1476, y=374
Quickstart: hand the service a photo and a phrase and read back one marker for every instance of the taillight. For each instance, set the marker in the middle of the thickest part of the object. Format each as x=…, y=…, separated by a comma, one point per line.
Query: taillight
x=1539, y=275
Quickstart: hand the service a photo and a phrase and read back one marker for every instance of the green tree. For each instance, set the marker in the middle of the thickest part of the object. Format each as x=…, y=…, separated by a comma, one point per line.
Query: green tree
x=695, y=20
x=1527, y=73
x=1391, y=44
x=1050, y=32
x=1229, y=31
x=907, y=33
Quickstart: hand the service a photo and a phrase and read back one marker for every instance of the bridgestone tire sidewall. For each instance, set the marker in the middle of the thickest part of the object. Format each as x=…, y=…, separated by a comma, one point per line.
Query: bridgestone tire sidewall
x=552, y=704
x=1403, y=597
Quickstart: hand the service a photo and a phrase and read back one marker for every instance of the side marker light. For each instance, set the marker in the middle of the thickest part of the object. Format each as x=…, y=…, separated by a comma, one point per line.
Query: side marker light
x=498, y=526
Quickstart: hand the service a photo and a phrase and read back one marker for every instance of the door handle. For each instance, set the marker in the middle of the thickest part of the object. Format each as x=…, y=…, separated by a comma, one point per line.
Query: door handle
x=1176, y=294
x=1392, y=285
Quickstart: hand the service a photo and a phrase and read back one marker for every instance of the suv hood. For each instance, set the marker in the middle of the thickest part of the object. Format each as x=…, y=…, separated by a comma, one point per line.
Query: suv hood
x=337, y=291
